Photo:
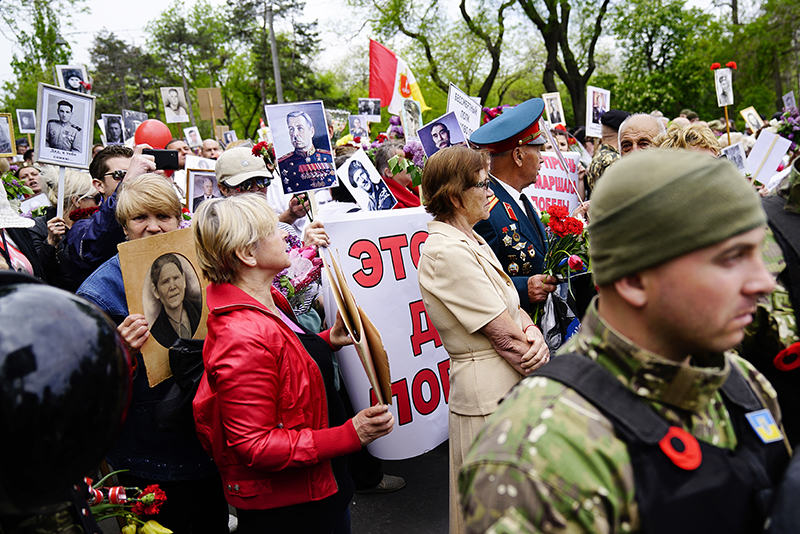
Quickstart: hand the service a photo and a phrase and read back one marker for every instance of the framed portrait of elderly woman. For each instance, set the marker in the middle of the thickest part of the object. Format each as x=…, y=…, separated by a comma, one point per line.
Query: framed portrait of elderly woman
x=164, y=283
x=8, y=146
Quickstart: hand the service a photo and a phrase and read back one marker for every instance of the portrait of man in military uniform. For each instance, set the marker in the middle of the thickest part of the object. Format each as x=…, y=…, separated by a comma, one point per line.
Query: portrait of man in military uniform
x=132, y=120
x=300, y=134
x=62, y=133
x=6, y=137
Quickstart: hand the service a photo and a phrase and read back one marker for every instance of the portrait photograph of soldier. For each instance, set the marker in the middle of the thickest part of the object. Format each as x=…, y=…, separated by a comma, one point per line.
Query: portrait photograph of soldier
x=7, y=145
x=229, y=137
x=441, y=133
x=174, y=104
x=365, y=183
x=66, y=127
x=73, y=77
x=26, y=120
x=411, y=118
x=736, y=155
x=300, y=137
x=172, y=299
x=131, y=120
x=113, y=128
x=193, y=137
x=358, y=126
x=371, y=107
x=723, y=84
x=553, y=108
x=752, y=119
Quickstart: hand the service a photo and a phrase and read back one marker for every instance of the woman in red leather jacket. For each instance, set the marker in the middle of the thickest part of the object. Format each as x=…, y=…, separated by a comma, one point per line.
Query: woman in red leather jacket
x=266, y=409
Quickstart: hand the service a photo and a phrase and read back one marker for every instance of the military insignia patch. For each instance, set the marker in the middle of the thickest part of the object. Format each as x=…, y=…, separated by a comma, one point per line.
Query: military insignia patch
x=509, y=211
x=765, y=426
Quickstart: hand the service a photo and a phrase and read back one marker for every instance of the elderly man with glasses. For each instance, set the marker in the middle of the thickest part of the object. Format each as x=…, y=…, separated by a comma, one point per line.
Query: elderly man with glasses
x=93, y=241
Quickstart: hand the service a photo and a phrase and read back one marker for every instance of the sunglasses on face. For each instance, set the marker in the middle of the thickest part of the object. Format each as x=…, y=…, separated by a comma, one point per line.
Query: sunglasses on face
x=249, y=185
x=97, y=197
x=117, y=175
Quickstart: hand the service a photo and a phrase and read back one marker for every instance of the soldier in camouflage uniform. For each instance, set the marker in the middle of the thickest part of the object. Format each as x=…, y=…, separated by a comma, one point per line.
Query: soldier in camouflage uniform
x=772, y=341
x=608, y=152
x=680, y=436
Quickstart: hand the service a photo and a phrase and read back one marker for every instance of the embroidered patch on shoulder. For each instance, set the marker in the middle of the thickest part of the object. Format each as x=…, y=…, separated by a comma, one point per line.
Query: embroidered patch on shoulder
x=765, y=426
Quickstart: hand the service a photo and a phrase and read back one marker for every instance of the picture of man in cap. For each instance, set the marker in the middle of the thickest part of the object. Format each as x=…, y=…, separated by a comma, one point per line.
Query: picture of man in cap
x=61, y=133
x=643, y=422
x=608, y=152
x=513, y=229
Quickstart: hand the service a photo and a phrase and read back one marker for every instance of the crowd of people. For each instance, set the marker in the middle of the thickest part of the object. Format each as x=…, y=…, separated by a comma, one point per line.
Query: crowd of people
x=658, y=404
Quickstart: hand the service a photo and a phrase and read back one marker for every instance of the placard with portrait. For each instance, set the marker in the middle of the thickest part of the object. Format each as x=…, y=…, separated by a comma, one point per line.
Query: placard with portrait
x=164, y=283
x=65, y=127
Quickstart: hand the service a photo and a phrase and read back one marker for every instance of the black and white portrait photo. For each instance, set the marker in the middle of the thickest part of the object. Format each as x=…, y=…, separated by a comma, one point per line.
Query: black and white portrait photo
x=553, y=108
x=172, y=299
x=736, y=155
x=73, y=77
x=724, y=86
x=193, y=137
x=26, y=120
x=115, y=134
x=174, y=104
x=411, y=118
x=441, y=133
x=67, y=124
x=7, y=145
x=598, y=101
x=752, y=119
x=358, y=125
x=229, y=137
x=365, y=183
x=131, y=120
x=789, y=101
x=302, y=145
x=371, y=107
x=203, y=186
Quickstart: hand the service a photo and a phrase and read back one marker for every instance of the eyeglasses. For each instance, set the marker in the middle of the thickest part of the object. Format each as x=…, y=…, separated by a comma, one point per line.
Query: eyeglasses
x=117, y=175
x=97, y=197
x=484, y=184
x=249, y=185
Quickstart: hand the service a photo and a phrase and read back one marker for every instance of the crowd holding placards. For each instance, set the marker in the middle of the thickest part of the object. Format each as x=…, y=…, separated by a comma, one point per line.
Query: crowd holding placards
x=619, y=310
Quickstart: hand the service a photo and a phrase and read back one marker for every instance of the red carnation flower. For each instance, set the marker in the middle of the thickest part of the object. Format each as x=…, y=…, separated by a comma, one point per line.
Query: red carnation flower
x=573, y=226
x=558, y=227
x=150, y=501
x=557, y=211
x=731, y=64
x=715, y=66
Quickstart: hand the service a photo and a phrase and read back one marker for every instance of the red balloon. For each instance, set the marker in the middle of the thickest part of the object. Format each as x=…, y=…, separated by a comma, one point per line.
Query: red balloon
x=153, y=132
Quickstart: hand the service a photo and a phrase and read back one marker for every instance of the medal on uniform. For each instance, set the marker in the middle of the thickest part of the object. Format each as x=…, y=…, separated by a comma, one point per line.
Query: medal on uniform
x=526, y=268
x=513, y=269
x=522, y=257
x=531, y=251
x=507, y=240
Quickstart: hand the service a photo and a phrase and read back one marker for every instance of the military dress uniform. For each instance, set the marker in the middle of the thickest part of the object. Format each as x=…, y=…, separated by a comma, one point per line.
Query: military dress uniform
x=516, y=235
x=301, y=171
x=63, y=136
x=551, y=460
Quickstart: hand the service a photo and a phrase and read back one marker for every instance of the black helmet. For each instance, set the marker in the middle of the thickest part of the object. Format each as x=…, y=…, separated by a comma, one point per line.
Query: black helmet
x=65, y=385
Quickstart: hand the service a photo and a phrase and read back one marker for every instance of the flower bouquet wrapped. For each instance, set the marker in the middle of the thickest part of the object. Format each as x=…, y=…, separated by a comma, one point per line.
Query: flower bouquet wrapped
x=297, y=281
x=130, y=503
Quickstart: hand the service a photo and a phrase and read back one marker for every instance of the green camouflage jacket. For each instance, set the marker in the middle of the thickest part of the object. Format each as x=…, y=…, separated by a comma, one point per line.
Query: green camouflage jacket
x=548, y=461
x=603, y=157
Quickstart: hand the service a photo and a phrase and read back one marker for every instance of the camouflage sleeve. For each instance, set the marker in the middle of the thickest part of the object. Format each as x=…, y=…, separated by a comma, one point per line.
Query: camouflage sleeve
x=547, y=461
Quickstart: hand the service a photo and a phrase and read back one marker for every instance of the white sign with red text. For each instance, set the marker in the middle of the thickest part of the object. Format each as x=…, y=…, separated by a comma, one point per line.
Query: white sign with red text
x=555, y=184
x=379, y=252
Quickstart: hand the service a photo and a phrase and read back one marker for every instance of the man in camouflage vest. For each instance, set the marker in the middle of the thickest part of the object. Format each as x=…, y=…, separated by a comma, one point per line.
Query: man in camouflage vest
x=643, y=422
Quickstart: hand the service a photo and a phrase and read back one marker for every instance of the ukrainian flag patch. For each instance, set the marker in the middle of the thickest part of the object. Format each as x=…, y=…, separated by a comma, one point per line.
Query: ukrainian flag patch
x=765, y=426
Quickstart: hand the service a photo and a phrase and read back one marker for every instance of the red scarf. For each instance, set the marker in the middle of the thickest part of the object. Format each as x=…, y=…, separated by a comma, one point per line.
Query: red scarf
x=406, y=198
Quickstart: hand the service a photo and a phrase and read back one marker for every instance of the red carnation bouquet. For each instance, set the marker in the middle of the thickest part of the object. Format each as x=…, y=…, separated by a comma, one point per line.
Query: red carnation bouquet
x=267, y=151
x=130, y=503
x=567, y=245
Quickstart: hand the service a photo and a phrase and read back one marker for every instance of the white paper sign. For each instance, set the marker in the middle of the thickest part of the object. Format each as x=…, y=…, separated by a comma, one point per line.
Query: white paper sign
x=378, y=253
x=766, y=155
x=555, y=185
x=468, y=112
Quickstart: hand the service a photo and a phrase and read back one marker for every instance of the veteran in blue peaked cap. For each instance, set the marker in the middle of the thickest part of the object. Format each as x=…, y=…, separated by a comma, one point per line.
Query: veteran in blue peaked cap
x=513, y=228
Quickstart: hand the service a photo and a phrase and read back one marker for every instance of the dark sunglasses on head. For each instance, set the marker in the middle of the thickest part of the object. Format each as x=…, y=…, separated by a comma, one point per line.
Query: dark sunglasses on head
x=249, y=185
x=117, y=175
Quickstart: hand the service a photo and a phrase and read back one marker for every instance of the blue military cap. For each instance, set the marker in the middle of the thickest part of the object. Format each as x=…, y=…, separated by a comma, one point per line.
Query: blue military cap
x=515, y=127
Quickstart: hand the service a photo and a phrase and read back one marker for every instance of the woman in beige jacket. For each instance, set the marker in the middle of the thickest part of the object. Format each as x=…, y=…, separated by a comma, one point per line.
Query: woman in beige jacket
x=491, y=341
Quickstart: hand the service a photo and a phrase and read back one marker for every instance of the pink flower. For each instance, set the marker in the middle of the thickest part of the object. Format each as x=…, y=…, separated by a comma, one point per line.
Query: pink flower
x=575, y=263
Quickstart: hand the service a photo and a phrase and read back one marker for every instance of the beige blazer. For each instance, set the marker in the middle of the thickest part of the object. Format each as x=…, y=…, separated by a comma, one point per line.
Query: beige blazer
x=464, y=287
